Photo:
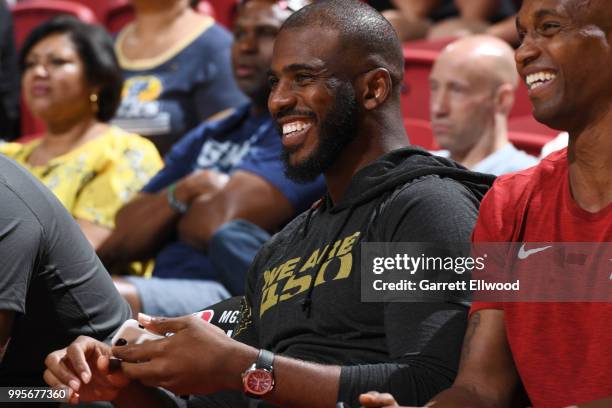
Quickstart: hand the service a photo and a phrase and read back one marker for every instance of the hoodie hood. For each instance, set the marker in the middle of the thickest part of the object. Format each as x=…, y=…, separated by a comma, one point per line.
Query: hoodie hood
x=402, y=166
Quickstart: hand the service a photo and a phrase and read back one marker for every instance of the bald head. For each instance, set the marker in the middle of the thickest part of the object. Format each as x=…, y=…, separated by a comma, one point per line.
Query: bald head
x=485, y=56
x=472, y=84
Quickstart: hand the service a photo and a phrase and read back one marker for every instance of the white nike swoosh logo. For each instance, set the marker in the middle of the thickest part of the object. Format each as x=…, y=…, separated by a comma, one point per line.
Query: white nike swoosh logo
x=524, y=254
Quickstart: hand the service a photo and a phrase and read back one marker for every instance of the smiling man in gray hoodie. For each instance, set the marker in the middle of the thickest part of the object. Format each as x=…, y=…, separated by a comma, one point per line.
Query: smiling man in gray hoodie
x=305, y=338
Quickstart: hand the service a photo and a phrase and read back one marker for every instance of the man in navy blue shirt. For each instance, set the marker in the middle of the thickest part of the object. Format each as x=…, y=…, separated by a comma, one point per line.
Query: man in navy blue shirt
x=223, y=190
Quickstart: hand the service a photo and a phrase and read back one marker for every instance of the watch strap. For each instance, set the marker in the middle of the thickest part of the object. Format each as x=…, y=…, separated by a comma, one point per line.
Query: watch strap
x=174, y=203
x=265, y=360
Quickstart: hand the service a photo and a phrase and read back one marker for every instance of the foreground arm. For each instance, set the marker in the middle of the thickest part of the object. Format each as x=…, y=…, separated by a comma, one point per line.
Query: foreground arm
x=487, y=376
x=199, y=350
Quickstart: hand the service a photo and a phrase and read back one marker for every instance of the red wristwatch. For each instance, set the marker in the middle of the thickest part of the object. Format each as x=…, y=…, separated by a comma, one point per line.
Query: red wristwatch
x=258, y=379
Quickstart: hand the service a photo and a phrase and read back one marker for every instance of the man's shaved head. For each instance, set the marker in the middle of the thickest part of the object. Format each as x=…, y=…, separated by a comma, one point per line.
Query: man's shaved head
x=472, y=87
x=364, y=33
x=488, y=56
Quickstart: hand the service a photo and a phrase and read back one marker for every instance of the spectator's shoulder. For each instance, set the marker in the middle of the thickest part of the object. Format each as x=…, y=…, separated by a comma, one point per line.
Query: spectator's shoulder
x=120, y=139
x=503, y=207
x=214, y=36
x=15, y=149
x=515, y=187
x=28, y=196
x=434, y=193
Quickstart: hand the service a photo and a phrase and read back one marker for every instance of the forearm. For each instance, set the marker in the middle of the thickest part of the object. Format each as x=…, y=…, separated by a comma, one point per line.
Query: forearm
x=141, y=227
x=297, y=383
x=203, y=219
x=411, y=383
x=460, y=397
x=302, y=384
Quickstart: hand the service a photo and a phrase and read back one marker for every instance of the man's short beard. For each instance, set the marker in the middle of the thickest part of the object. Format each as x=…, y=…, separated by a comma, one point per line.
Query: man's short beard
x=338, y=130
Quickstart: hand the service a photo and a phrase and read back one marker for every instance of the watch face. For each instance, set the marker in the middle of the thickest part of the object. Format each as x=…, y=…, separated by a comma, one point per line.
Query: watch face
x=258, y=382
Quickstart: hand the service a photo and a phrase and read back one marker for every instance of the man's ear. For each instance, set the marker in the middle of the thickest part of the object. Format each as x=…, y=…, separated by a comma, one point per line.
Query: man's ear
x=504, y=99
x=374, y=87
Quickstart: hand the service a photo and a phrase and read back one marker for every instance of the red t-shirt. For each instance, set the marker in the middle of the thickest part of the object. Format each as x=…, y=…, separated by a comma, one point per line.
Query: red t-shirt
x=563, y=351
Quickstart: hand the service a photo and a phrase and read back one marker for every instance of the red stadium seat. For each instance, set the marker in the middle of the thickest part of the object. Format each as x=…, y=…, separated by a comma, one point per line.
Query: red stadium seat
x=225, y=11
x=420, y=134
x=529, y=135
x=528, y=124
x=118, y=16
x=101, y=7
x=529, y=142
x=29, y=14
x=419, y=57
x=522, y=104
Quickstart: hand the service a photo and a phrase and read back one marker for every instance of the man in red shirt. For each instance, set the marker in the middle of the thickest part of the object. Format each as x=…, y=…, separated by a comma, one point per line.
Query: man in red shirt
x=559, y=352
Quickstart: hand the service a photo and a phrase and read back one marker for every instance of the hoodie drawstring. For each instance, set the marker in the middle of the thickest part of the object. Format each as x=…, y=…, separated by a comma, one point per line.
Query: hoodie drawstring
x=307, y=302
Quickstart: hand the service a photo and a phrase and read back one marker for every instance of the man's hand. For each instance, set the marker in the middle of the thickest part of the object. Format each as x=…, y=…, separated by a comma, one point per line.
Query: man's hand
x=84, y=368
x=198, y=358
x=375, y=399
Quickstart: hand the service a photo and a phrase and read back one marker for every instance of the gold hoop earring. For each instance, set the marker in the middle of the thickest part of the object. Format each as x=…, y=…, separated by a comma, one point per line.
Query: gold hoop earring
x=93, y=98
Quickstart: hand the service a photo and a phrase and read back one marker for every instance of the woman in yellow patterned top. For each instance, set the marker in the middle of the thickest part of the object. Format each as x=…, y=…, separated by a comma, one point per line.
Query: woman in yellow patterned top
x=71, y=80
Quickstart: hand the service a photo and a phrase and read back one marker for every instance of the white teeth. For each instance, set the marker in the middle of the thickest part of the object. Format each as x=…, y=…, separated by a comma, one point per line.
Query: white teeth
x=538, y=79
x=294, y=127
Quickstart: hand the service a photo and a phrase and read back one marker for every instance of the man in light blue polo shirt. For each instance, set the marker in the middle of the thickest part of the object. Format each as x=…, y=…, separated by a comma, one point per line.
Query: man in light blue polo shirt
x=472, y=92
